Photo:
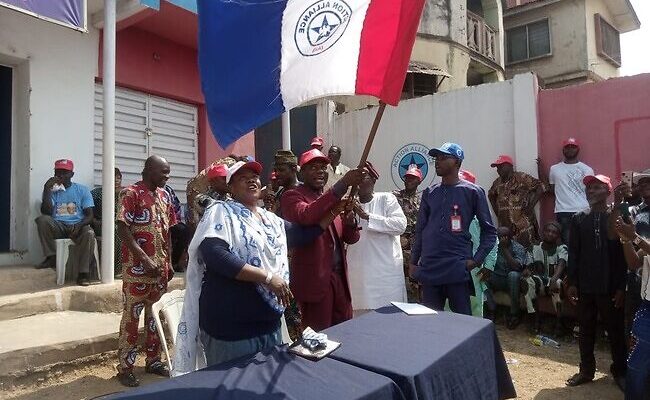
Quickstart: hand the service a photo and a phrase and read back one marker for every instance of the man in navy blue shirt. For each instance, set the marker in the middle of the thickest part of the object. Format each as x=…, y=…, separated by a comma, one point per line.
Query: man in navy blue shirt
x=441, y=257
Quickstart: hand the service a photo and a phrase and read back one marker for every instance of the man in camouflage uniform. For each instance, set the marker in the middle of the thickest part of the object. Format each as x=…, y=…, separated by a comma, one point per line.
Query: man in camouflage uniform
x=409, y=200
x=513, y=197
x=285, y=167
x=205, y=186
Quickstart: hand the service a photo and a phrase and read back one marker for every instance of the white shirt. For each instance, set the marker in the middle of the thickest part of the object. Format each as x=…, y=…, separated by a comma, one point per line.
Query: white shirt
x=570, y=193
x=375, y=263
x=645, y=279
x=334, y=174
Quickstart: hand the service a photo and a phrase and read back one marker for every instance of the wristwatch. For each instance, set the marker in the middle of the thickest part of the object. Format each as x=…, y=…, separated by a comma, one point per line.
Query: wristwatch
x=637, y=240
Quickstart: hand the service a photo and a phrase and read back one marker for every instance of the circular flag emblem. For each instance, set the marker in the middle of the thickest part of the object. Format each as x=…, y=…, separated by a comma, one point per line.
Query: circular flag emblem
x=412, y=154
x=321, y=25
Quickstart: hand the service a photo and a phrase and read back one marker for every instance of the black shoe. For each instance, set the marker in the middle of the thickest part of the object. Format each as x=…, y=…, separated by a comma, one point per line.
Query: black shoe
x=49, y=262
x=620, y=382
x=128, y=379
x=513, y=322
x=157, y=368
x=579, y=379
x=82, y=279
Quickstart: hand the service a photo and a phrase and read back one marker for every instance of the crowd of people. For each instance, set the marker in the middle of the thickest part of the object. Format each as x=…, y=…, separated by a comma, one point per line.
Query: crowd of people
x=318, y=245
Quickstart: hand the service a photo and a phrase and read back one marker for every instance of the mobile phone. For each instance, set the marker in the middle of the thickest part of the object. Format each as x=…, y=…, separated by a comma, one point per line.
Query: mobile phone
x=627, y=177
x=624, y=209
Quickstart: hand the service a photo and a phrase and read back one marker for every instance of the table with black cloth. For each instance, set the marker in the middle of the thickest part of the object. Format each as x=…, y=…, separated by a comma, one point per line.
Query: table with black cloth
x=273, y=374
x=442, y=356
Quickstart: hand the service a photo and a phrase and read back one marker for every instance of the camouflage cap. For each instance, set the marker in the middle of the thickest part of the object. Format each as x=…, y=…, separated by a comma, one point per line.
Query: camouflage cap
x=285, y=157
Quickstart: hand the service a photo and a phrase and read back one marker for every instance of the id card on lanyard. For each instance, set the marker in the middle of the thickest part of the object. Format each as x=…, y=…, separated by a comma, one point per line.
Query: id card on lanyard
x=456, y=220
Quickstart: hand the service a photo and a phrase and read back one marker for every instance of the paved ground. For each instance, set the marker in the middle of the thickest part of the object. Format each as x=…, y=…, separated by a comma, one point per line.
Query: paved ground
x=538, y=372
x=53, y=328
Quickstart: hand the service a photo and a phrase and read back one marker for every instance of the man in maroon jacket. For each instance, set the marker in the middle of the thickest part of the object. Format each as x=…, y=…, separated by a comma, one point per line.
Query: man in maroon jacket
x=319, y=280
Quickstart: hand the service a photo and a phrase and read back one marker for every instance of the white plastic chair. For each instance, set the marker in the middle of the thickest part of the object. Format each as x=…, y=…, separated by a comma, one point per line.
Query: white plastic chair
x=62, y=254
x=171, y=305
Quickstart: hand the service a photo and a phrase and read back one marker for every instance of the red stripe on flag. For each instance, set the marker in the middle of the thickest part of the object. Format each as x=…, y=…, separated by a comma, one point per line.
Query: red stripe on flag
x=387, y=39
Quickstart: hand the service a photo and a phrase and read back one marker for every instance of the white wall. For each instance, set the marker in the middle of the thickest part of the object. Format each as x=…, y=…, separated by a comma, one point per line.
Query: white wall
x=54, y=70
x=486, y=120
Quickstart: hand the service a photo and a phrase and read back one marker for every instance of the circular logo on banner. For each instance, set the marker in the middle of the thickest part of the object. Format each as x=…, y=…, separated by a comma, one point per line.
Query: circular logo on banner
x=321, y=25
x=412, y=154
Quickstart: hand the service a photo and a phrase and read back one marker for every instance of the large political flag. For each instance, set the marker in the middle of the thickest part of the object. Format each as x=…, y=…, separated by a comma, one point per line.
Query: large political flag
x=260, y=58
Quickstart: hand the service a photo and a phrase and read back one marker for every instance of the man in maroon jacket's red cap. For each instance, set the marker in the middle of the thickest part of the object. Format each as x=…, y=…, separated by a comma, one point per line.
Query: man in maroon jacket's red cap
x=319, y=280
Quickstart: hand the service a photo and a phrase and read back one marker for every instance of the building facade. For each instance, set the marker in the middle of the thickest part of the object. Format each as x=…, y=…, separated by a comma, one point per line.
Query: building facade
x=566, y=42
x=50, y=83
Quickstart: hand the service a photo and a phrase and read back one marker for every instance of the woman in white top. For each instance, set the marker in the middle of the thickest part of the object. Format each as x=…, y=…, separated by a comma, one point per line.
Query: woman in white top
x=375, y=262
x=638, y=362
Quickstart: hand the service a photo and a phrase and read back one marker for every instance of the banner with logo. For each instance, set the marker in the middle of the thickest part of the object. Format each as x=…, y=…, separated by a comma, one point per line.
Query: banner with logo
x=70, y=13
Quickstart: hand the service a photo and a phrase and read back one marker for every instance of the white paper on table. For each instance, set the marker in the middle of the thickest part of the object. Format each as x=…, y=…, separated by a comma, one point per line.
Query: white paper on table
x=413, y=308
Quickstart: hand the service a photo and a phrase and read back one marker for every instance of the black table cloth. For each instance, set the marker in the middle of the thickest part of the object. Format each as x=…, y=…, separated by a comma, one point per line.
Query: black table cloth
x=442, y=356
x=273, y=375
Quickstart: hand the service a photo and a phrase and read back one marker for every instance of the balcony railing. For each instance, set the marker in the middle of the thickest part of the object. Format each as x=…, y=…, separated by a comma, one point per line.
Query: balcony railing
x=481, y=37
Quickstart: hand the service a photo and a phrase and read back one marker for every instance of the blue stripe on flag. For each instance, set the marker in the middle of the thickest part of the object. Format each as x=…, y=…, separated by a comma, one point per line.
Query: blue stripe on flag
x=239, y=60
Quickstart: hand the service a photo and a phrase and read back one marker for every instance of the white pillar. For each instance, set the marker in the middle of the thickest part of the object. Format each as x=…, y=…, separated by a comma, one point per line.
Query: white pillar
x=108, y=144
x=286, y=131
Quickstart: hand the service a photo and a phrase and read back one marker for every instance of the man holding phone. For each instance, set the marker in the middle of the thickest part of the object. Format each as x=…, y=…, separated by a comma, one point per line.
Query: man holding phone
x=639, y=215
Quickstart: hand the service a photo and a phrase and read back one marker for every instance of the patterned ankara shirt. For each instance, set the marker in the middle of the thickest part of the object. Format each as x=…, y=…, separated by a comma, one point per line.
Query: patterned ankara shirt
x=510, y=198
x=149, y=215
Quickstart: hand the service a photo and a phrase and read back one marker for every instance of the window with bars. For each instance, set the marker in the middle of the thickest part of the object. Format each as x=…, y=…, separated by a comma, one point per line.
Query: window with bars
x=608, y=41
x=528, y=42
x=419, y=84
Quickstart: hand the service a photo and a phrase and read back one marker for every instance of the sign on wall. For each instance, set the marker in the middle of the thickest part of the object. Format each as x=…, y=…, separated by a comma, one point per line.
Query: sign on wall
x=69, y=13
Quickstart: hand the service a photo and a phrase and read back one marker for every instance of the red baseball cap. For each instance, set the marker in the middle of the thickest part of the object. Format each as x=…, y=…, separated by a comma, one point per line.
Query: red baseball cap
x=598, y=178
x=570, y=142
x=311, y=155
x=252, y=165
x=217, y=171
x=413, y=170
x=67, y=165
x=503, y=159
x=467, y=176
x=317, y=141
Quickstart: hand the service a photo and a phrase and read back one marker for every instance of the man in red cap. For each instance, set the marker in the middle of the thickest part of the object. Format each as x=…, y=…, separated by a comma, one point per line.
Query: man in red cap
x=565, y=181
x=596, y=279
x=409, y=199
x=375, y=260
x=513, y=197
x=319, y=278
x=208, y=186
x=317, y=143
x=67, y=212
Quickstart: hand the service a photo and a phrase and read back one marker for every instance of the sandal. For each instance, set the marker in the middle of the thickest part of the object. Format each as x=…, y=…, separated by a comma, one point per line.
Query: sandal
x=579, y=379
x=128, y=379
x=157, y=368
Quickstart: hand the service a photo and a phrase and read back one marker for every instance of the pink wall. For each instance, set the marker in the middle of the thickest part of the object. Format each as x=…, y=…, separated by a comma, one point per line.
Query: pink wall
x=611, y=119
x=151, y=64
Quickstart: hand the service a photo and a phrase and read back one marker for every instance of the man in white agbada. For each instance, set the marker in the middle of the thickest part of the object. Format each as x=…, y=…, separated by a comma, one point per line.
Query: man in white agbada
x=375, y=262
x=237, y=281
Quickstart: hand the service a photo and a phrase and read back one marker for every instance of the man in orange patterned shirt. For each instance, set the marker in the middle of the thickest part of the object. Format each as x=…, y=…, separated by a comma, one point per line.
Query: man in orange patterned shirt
x=144, y=217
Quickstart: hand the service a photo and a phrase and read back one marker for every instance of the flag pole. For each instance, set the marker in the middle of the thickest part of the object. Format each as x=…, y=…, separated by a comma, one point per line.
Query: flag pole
x=371, y=136
x=369, y=141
